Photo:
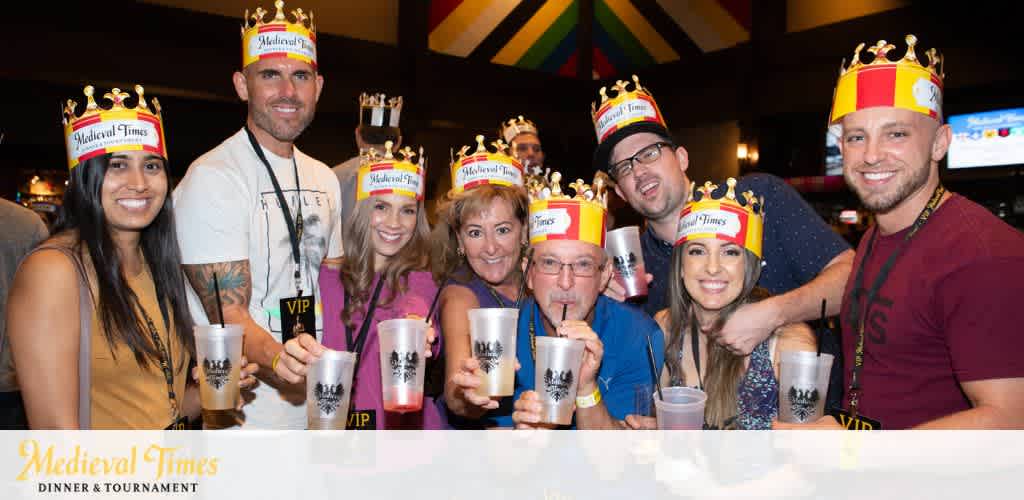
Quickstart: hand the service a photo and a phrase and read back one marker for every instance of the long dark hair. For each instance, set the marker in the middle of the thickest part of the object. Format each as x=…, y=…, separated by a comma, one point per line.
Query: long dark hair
x=725, y=369
x=82, y=216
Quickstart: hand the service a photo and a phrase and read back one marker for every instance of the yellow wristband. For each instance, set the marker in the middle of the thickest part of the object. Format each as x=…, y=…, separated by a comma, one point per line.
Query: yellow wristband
x=277, y=357
x=589, y=401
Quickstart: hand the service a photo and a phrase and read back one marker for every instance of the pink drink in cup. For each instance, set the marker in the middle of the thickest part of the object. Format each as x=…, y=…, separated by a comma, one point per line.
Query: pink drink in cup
x=627, y=258
x=402, y=363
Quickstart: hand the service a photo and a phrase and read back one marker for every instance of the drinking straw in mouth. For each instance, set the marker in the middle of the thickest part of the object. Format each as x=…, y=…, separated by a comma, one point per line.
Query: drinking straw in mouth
x=216, y=291
x=821, y=326
x=565, y=309
x=654, y=367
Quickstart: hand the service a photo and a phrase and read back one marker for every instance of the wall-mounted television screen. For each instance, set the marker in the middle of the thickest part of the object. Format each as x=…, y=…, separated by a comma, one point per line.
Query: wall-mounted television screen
x=987, y=139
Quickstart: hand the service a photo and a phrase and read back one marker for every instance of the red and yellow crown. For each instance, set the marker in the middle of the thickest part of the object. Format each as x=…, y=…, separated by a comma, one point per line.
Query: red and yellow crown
x=625, y=108
x=515, y=126
x=391, y=174
x=723, y=218
x=902, y=84
x=99, y=131
x=555, y=215
x=279, y=37
x=481, y=167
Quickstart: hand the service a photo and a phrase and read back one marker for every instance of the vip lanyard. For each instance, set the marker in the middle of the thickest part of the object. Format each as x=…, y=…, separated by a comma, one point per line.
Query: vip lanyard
x=166, y=361
x=356, y=345
x=855, y=391
x=695, y=347
x=295, y=226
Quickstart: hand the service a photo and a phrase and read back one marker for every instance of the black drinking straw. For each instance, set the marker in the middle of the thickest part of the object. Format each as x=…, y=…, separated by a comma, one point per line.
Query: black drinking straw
x=565, y=309
x=216, y=291
x=433, y=304
x=654, y=367
x=821, y=326
x=522, y=286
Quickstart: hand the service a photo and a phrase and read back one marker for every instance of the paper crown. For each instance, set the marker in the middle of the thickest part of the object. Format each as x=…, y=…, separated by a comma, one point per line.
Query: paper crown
x=625, y=108
x=279, y=37
x=481, y=167
x=722, y=218
x=391, y=174
x=99, y=131
x=902, y=84
x=515, y=126
x=376, y=110
x=555, y=215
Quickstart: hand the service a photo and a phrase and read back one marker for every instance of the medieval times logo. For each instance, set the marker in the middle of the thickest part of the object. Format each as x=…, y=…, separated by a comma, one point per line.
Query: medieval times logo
x=556, y=383
x=328, y=397
x=403, y=365
x=802, y=402
x=217, y=372
x=488, y=353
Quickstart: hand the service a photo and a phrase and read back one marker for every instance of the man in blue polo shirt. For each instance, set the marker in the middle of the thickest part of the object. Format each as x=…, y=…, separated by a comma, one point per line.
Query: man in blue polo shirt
x=804, y=260
x=569, y=271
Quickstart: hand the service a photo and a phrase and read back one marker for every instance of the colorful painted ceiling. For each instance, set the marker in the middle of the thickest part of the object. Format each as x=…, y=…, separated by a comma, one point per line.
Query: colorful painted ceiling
x=626, y=34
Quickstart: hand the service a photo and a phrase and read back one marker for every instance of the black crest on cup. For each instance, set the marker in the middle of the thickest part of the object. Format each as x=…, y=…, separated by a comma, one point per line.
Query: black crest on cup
x=802, y=402
x=556, y=383
x=403, y=365
x=625, y=264
x=488, y=353
x=216, y=372
x=328, y=396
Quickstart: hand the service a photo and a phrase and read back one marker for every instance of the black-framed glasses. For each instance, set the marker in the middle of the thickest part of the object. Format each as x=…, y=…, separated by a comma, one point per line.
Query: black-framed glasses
x=645, y=156
x=583, y=268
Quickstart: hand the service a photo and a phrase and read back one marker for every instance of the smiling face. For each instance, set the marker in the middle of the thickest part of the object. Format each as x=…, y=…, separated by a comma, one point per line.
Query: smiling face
x=392, y=223
x=133, y=191
x=492, y=240
x=713, y=273
x=282, y=94
x=891, y=155
x=527, y=149
x=564, y=289
x=656, y=190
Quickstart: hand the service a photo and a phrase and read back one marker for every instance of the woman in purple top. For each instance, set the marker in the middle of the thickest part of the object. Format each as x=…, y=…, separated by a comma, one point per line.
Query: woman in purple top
x=478, y=249
x=382, y=276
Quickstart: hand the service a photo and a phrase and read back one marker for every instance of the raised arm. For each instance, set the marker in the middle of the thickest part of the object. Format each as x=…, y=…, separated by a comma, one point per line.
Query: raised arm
x=43, y=323
x=461, y=371
x=235, y=282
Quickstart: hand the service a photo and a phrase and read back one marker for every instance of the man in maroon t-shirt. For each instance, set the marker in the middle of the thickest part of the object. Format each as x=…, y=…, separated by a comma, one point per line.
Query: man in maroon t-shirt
x=932, y=317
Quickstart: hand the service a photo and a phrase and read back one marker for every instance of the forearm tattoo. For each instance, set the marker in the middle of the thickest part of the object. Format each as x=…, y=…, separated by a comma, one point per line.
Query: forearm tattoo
x=234, y=281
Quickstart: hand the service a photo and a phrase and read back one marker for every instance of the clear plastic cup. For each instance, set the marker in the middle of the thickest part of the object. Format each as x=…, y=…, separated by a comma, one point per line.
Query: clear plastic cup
x=557, y=375
x=402, y=363
x=328, y=389
x=682, y=408
x=219, y=356
x=492, y=334
x=803, y=385
x=624, y=250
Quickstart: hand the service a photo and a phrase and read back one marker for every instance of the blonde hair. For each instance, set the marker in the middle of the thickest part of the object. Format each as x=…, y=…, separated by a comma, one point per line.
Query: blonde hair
x=357, y=267
x=452, y=214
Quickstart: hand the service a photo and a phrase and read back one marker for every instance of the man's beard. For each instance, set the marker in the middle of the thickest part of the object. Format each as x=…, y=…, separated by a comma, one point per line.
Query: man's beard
x=278, y=130
x=882, y=203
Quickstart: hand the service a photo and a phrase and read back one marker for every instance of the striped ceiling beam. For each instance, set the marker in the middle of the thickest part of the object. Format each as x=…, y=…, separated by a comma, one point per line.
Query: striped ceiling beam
x=708, y=23
x=466, y=24
x=521, y=44
x=506, y=29
x=637, y=25
x=668, y=29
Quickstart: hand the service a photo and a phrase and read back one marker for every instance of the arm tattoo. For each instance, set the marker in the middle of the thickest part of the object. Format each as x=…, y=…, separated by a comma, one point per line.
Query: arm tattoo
x=233, y=278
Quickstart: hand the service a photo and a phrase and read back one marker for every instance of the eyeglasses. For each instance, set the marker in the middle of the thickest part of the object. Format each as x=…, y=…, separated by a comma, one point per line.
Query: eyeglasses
x=583, y=268
x=645, y=156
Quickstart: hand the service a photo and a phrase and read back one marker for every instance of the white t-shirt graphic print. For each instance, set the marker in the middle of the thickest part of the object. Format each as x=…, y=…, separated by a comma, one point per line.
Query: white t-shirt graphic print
x=226, y=210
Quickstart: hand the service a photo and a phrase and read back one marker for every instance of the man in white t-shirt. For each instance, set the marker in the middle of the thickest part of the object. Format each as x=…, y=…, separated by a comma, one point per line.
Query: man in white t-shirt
x=263, y=235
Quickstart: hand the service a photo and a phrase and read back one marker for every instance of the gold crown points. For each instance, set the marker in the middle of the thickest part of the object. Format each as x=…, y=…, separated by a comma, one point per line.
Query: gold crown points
x=379, y=101
x=516, y=126
x=259, y=14
x=499, y=146
x=404, y=155
x=549, y=187
x=880, y=51
x=116, y=96
x=751, y=203
x=619, y=88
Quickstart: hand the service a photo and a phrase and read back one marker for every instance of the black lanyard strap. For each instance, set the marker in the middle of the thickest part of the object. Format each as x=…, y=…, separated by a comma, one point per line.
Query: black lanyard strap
x=855, y=389
x=695, y=346
x=497, y=298
x=356, y=345
x=166, y=361
x=295, y=227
